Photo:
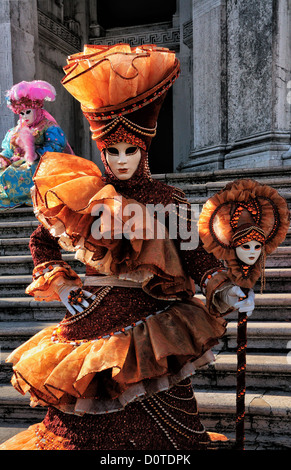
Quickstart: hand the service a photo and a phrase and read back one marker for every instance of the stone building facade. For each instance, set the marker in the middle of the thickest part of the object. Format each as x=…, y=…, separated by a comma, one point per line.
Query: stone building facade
x=229, y=108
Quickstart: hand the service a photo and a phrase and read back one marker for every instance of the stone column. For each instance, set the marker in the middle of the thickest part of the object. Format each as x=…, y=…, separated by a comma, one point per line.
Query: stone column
x=209, y=70
x=183, y=88
x=96, y=29
x=258, y=71
x=6, y=69
x=241, y=81
x=18, y=36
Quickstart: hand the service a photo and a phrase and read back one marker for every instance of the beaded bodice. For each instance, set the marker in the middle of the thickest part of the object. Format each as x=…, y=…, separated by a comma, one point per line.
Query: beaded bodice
x=124, y=306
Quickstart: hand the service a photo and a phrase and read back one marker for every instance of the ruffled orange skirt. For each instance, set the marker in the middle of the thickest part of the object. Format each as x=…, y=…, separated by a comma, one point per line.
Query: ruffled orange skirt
x=100, y=376
x=103, y=375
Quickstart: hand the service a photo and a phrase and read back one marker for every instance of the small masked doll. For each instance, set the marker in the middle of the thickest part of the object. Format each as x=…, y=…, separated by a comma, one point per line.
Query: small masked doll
x=243, y=224
x=35, y=133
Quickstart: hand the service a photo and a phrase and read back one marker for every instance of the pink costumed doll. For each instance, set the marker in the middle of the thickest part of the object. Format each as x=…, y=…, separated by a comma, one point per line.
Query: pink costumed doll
x=36, y=132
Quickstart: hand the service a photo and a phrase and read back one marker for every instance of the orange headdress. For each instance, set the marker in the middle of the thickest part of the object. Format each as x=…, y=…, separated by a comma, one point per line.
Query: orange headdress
x=244, y=210
x=121, y=90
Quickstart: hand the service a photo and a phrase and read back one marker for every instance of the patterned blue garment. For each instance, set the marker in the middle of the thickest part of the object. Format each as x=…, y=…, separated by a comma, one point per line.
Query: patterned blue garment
x=16, y=180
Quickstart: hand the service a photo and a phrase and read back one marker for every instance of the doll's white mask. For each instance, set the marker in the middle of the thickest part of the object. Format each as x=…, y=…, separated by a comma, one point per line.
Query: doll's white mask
x=123, y=159
x=27, y=116
x=249, y=252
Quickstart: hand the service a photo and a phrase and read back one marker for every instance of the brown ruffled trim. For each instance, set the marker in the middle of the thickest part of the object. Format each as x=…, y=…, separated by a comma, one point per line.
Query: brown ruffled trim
x=103, y=370
x=217, y=282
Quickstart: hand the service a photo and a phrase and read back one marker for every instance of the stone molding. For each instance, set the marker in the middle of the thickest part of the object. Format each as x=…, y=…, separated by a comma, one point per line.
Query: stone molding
x=261, y=150
x=52, y=29
x=166, y=38
x=188, y=33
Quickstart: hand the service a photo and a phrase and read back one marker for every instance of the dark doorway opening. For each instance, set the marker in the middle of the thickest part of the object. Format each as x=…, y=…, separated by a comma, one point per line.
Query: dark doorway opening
x=161, y=149
x=118, y=14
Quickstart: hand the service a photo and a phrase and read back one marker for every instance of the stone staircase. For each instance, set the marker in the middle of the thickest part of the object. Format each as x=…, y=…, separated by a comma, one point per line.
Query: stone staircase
x=268, y=396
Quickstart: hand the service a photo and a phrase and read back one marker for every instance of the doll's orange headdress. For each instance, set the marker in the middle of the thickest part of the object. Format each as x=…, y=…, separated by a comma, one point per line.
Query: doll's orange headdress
x=244, y=210
x=121, y=90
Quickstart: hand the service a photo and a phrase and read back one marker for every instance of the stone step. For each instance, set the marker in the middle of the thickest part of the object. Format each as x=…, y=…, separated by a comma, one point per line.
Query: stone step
x=271, y=371
x=269, y=307
x=5, y=368
x=15, y=408
x=18, y=213
x=14, y=246
x=268, y=371
x=197, y=194
x=277, y=279
x=25, y=309
x=281, y=258
x=13, y=334
x=273, y=176
x=204, y=182
x=199, y=201
x=267, y=418
x=207, y=190
x=287, y=241
x=262, y=336
x=18, y=228
x=23, y=264
x=267, y=422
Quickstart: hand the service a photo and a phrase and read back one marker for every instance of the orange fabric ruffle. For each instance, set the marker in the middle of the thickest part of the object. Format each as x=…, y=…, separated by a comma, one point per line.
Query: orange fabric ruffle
x=102, y=76
x=103, y=375
x=44, y=286
x=36, y=437
x=69, y=195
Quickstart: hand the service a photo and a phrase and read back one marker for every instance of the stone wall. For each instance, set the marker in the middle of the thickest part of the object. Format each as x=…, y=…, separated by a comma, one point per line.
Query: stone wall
x=18, y=36
x=35, y=44
x=229, y=107
x=56, y=42
x=241, y=68
x=258, y=66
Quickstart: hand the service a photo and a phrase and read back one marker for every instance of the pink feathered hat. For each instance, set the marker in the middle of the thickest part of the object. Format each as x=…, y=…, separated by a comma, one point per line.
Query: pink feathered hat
x=29, y=95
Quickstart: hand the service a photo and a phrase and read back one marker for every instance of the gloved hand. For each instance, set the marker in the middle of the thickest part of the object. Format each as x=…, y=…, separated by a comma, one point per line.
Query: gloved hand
x=236, y=298
x=64, y=291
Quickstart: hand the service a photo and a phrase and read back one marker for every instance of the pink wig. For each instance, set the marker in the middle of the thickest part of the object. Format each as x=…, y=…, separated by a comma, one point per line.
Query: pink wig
x=29, y=95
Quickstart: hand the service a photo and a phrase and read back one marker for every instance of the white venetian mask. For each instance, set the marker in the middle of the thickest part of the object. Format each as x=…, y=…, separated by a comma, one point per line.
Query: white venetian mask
x=27, y=116
x=249, y=252
x=123, y=159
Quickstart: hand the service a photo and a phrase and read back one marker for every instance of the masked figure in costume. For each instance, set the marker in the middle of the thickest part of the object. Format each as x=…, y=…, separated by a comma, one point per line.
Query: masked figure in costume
x=115, y=372
x=35, y=133
x=241, y=225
